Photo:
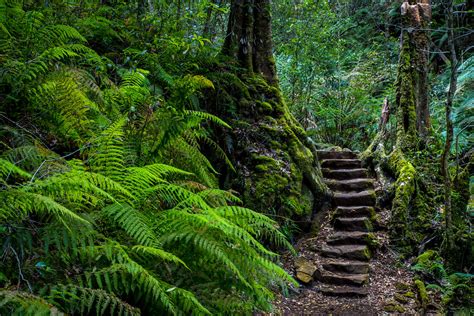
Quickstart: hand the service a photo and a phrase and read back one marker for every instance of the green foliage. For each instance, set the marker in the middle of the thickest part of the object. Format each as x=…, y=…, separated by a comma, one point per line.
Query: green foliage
x=108, y=201
x=335, y=67
x=463, y=107
x=456, y=288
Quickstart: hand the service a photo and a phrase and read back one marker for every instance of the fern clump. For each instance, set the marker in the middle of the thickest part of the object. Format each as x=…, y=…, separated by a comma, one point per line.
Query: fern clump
x=109, y=203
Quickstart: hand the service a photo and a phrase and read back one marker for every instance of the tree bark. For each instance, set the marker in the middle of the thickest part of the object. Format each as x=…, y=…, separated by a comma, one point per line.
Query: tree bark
x=384, y=117
x=249, y=37
x=415, y=47
x=449, y=130
x=422, y=38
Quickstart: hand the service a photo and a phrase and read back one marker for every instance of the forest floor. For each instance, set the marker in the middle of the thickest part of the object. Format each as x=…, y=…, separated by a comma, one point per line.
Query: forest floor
x=388, y=279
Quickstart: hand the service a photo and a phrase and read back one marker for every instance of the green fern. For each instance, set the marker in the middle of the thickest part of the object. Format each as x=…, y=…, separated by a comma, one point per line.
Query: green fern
x=22, y=303
x=108, y=203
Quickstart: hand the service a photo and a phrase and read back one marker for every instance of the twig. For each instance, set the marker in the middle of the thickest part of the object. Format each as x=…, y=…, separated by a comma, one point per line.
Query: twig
x=19, y=270
x=54, y=159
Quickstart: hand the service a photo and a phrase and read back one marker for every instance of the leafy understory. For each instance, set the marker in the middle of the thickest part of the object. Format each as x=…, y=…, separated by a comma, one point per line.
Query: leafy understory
x=97, y=212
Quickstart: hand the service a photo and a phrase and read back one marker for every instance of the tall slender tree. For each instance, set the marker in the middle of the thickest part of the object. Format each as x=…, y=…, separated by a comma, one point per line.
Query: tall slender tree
x=449, y=127
x=412, y=83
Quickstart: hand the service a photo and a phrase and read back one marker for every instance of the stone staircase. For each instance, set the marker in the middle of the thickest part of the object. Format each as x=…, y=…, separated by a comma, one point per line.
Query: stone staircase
x=344, y=269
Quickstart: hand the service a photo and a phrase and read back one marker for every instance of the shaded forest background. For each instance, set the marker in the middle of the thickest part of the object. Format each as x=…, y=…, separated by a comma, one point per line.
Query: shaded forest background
x=118, y=168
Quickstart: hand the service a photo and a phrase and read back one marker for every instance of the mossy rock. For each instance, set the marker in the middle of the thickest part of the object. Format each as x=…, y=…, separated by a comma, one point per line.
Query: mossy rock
x=402, y=286
x=393, y=307
x=400, y=298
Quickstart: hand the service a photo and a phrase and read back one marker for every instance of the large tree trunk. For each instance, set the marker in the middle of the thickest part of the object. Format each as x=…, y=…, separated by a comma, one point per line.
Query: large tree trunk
x=276, y=167
x=249, y=37
x=412, y=93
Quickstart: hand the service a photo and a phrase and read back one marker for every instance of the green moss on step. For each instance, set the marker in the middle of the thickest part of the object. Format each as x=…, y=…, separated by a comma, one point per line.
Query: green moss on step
x=401, y=298
x=372, y=241
x=394, y=307
x=400, y=286
x=422, y=294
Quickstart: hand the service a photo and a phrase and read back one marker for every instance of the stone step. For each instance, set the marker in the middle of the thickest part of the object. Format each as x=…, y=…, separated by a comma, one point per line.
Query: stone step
x=349, y=291
x=345, y=174
x=326, y=154
x=353, y=252
x=354, y=211
x=348, y=238
x=363, y=198
x=341, y=278
x=361, y=224
x=341, y=163
x=344, y=266
x=350, y=185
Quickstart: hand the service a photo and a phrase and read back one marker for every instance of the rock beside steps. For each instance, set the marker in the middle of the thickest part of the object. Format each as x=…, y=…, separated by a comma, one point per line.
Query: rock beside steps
x=344, y=270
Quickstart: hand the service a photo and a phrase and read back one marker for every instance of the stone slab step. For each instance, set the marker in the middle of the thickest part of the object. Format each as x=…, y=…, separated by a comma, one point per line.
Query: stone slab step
x=344, y=266
x=341, y=278
x=354, y=211
x=350, y=185
x=349, y=291
x=345, y=174
x=348, y=238
x=325, y=154
x=362, y=224
x=353, y=252
x=341, y=163
x=363, y=198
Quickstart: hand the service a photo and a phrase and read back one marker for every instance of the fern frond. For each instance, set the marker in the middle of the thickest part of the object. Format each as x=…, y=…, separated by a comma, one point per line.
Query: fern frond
x=74, y=187
x=7, y=168
x=31, y=156
x=22, y=303
x=86, y=301
x=135, y=78
x=61, y=33
x=208, y=117
x=212, y=248
x=107, y=154
x=157, y=253
x=134, y=223
x=15, y=205
x=256, y=223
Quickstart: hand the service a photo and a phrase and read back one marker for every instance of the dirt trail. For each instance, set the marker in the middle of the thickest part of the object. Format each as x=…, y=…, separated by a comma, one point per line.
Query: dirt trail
x=349, y=267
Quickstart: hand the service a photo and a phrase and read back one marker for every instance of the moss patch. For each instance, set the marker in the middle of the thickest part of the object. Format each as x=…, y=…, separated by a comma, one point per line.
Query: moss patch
x=276, y=169
x=394, y=307
x=422, y=294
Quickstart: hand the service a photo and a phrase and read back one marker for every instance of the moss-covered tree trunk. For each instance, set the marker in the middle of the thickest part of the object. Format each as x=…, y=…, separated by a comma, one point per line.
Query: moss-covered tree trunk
x=413, y=125
x=412, y=94
x=276, y=165
x=249, y=37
